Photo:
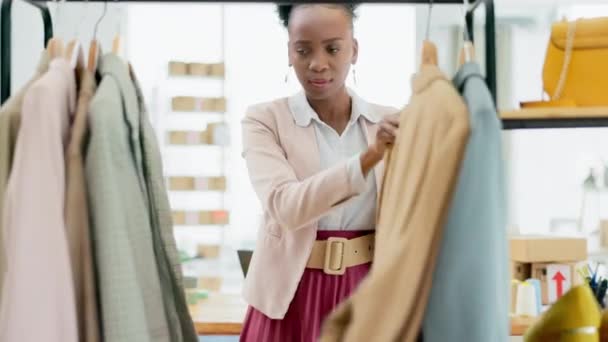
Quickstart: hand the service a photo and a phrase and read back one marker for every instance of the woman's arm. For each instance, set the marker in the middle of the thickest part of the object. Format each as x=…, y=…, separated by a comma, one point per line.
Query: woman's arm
x=293, y=203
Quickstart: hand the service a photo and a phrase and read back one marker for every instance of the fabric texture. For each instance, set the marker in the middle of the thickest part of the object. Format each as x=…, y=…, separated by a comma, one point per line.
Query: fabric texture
x=77, y=217
x=472, y=266
x=167, y=257
x=38, y=301
x=360, y=212
x=131, y=297
x=317, y=295
x=421, y=173
x=284, y=167
x=10, y=119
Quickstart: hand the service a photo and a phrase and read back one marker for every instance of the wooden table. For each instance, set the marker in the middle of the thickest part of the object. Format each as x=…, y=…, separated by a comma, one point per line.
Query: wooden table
x=220, y=314
x=223, y=314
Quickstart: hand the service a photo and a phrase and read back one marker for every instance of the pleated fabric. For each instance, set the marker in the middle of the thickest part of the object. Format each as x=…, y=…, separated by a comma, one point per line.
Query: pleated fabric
x=316, y=297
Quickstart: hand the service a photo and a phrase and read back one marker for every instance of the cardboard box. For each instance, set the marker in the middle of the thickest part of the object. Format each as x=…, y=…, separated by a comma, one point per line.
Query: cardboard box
x=210, y=283
x=199, y=69
x=538, y=249
x=539, y=271
x=183, y=103
x=178, y=68
x=208, y=251
x=217, y=70
x=220, y=105
x=521, y=270
x=217, y=183
x=604, y=234
x=181, y=183
x=179, y=217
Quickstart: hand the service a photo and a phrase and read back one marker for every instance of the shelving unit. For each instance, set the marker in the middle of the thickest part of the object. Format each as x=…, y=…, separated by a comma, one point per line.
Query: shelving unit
x=555, y=118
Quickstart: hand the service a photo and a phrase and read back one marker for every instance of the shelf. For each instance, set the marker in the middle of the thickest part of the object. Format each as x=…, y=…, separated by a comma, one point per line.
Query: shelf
x=202, y=217
x=555, y=117
x=197, y=183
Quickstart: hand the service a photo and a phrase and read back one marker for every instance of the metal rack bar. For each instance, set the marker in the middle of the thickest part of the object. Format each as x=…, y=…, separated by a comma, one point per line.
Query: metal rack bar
x=6, y=41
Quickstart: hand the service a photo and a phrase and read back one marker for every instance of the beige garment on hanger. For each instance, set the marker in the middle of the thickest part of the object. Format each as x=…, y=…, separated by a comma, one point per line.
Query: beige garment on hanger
x=77, y=217
x=420, y=177
x=10, y=121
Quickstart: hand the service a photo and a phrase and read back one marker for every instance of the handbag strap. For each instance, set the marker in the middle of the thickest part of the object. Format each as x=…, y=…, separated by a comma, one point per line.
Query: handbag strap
x=567, y=56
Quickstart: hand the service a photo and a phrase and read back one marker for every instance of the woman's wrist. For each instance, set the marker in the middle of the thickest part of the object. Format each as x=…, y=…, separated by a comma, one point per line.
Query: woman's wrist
x=370, y=158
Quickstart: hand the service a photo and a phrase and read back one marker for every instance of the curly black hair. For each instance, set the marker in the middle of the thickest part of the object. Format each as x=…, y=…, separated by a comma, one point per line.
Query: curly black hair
x=285, y=11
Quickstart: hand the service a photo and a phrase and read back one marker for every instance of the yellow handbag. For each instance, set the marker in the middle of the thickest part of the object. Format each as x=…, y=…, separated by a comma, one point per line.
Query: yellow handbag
x=575, y=72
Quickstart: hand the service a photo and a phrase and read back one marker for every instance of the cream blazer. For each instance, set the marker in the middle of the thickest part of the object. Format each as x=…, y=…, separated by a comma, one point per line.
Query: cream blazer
x=284, y=167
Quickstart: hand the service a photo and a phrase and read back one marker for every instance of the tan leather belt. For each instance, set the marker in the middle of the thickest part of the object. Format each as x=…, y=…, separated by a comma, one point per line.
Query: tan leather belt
x=335, y=254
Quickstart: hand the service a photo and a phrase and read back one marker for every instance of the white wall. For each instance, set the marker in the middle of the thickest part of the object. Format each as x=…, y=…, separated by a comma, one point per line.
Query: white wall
x=28, y=32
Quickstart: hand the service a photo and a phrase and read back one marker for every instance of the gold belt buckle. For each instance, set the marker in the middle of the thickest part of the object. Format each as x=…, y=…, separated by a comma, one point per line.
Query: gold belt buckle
x=336, y=247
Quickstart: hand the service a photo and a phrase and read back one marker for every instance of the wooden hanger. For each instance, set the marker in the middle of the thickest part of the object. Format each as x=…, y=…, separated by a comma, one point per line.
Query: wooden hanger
x=429, y=50
x=94, y=52
x=55, y=47
x=116, y=44
x=94, y=47
x=429, y=53
x=467, y=53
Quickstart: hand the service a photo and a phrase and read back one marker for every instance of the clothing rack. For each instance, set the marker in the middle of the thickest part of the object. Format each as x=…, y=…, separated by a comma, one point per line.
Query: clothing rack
x=6, y=41
x=568, y=120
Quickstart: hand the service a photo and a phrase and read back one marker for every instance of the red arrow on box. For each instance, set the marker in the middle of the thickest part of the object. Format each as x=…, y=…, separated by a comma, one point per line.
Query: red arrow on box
x=559, y=279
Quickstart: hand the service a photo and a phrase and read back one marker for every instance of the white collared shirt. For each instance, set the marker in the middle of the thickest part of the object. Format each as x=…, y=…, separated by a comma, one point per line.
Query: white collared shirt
x=359, y=212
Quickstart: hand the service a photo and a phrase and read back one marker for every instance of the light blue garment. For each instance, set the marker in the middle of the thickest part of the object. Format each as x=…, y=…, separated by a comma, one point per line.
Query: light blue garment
x=470, y=290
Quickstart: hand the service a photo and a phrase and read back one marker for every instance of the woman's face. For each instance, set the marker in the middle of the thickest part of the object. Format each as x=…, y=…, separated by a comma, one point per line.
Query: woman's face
x=321, y=48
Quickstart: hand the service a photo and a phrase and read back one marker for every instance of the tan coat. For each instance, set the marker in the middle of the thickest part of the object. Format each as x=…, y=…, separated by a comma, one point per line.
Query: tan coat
x=421, y=174
x=77, y=217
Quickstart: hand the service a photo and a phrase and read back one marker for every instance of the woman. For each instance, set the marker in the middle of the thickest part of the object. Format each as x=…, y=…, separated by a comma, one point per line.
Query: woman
x=313, y=162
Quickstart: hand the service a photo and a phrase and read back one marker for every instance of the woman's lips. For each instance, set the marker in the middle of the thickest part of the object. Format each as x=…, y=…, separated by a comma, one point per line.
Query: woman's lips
x=319, y=83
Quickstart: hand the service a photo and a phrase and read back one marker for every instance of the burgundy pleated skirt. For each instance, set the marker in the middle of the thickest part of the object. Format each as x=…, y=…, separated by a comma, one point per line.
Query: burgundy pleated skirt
x=317, y=295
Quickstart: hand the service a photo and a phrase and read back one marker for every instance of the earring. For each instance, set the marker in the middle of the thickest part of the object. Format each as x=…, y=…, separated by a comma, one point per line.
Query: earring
x=354, y=75
x=287, y=73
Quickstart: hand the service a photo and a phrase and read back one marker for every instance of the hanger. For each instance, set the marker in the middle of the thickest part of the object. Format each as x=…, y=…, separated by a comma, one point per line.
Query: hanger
x=429, y=50
x=74, y=51
x=467, y=53
x=117, y=40
x=94, y=47
x=55, y=45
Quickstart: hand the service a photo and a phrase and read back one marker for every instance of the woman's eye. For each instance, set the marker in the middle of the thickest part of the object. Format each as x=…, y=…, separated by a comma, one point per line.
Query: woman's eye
x=302, y=51
x=333, y=50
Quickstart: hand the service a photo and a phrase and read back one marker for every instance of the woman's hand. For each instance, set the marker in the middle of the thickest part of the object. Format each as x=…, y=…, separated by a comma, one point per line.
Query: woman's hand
x=385, y=137
x=386, y=134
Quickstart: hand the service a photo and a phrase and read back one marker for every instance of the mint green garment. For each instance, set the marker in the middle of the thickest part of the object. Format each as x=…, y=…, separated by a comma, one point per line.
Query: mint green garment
x=470, y=294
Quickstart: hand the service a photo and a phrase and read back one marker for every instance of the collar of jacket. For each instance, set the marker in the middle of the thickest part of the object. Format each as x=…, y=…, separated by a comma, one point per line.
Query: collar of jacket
x=111, y=65
x=62, y=66
x=467, y=70
x=427, y=75
x=303, y=113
